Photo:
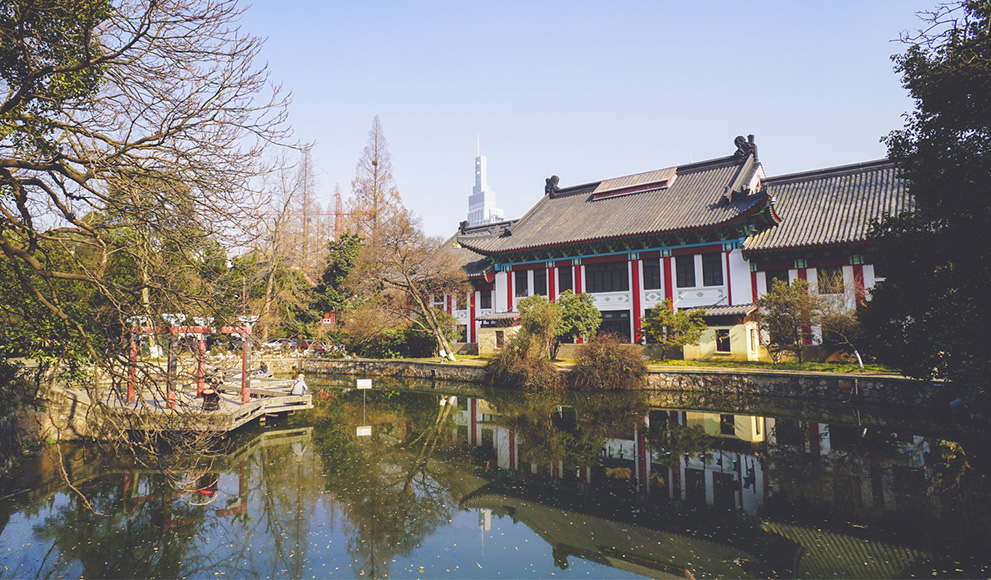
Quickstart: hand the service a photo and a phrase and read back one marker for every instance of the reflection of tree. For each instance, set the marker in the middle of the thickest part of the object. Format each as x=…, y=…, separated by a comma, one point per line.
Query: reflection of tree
x=391, y=497
x=669, y=441
x=142, y=543
x=537, y=418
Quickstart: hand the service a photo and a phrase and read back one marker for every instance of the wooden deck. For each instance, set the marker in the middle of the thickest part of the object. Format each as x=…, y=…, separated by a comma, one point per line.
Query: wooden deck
x=268, y=397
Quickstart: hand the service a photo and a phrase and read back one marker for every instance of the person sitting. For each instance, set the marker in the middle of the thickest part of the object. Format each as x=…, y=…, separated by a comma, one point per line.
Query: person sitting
x=217, y=380
x=299, y=387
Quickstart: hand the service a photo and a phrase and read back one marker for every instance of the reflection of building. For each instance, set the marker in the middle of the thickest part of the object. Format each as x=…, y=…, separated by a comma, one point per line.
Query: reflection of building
x=751, y=467
x=713, y=234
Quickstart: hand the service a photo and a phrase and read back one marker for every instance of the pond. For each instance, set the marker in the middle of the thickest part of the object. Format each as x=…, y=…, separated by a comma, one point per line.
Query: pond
x=457, y=482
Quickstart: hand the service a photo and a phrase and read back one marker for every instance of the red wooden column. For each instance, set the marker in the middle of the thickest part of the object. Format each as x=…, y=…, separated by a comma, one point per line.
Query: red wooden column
x=245, y=357
x=668, y=284
x=472, y=333
x=173, y=363
x=509, y=290
x=803, y=274
x=577, y=268
x=552, y=284
x=132, y=367
x=859, y=287
x=729, y=281
x=635, y=269
x=200, y=364
x=753, y=285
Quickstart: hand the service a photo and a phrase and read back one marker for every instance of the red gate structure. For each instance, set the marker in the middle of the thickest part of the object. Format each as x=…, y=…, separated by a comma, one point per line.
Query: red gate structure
x=140, y=325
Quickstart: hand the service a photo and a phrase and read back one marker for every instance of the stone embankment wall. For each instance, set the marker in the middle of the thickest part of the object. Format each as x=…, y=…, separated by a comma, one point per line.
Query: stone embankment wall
x=822, y=386
x=397, y=368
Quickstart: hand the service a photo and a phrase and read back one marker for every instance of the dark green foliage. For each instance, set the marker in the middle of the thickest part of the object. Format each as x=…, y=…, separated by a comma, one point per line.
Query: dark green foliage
x=332, y=294
x=662, y=325
x=930, y=314
x=50, y=35
x=398, y=343
x=609, y=363
x=579, y=317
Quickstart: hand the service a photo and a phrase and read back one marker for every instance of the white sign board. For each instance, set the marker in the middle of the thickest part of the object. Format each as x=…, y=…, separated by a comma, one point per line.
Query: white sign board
x=365, y=431
x=364, y=383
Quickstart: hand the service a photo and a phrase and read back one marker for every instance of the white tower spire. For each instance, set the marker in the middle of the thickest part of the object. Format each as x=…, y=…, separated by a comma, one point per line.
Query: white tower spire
x=481, y=203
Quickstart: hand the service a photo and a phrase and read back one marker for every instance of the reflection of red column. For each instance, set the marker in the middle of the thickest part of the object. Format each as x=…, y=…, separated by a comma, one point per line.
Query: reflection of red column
x=641, y=458
x=131, y=368
x=815, y=444
x=512, y=450
x=473, y=412
x=128, y=485
x=200, y=365
x=242, y=495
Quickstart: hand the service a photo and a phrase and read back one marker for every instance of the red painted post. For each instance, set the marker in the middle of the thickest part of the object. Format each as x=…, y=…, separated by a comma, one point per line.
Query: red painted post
x=200, y=365
x=668, y=286
x=509, y=290
x=578, y=290
x=245, y=350
x=635, y=269
x=552, y=284
x=471, y=318
x=169, y=392
x=131, y=369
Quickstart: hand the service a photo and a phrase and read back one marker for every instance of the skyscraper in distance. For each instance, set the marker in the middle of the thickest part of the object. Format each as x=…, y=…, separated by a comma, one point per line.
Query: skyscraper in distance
x=481, y=202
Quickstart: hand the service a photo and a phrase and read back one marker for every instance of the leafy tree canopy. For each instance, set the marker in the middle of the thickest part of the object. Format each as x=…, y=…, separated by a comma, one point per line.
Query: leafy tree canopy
x=930, y=313
x=787, y=314
x=662, y=325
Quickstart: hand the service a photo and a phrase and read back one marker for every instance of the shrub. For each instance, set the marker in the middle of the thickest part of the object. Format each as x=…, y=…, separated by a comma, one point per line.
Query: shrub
x=523, y=364
x=608, y=362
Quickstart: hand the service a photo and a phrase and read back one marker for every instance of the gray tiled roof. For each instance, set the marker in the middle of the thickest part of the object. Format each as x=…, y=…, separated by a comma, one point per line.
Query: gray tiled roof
x=473, y=263
x=737, y=310
x=694, y=200
x=830, y=206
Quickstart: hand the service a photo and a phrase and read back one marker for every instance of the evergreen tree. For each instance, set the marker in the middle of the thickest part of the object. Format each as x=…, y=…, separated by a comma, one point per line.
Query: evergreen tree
x=929, y=315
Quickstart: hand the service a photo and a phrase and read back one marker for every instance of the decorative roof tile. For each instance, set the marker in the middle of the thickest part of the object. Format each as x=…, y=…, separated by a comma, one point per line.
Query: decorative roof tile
x=831, y=206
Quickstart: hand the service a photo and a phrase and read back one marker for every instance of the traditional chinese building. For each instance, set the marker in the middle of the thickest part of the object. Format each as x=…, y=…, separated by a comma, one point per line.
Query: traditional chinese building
x=712, y=234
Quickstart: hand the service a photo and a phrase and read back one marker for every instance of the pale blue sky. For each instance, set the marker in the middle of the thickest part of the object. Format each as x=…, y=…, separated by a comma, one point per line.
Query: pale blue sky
x=583, y=90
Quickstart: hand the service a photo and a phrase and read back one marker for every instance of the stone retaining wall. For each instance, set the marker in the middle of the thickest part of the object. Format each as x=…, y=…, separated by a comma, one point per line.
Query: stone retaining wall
x=823, y=386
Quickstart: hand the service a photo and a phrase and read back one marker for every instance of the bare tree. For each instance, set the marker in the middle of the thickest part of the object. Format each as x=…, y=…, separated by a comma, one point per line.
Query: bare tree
x=405, y=259
x=375, y=198
x=119, y=117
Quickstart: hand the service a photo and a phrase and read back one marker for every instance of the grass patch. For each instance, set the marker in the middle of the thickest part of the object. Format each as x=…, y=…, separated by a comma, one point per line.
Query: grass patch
x=873, y=369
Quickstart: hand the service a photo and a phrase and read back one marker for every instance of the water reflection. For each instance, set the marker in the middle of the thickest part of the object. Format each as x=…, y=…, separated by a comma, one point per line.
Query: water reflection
x=455, y=483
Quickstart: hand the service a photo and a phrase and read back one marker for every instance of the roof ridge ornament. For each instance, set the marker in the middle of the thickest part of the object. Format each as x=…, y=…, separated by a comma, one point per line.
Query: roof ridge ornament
x=745, y=147
x=550, y=185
